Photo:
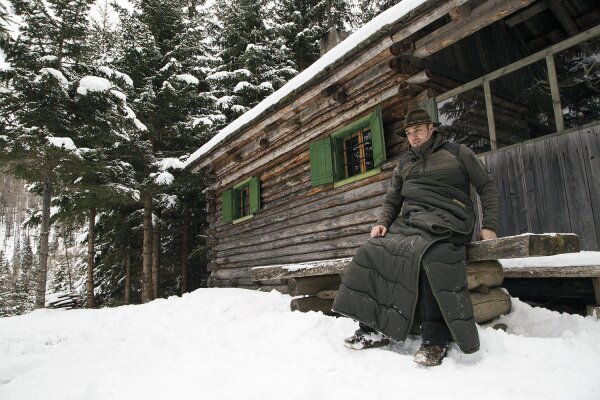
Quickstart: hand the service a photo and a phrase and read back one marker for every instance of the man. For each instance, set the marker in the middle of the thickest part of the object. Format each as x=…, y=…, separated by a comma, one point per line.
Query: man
x=414, y=264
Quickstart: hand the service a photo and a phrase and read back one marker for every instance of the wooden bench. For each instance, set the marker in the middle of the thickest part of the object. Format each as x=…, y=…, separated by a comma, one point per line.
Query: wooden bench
x=318, y=281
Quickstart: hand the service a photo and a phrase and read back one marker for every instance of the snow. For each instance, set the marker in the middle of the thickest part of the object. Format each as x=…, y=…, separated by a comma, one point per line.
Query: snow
x=120, y=95
x=201, y=121
x=48, y=58
x=93, y=84
x=241, y=86
x=167, y=163
x=239, y=344
x=187, y=78
x=388, y=17
x=64, y=142
x=55, y=73
x=560, y=260
x=163, y=178
x=119, y=75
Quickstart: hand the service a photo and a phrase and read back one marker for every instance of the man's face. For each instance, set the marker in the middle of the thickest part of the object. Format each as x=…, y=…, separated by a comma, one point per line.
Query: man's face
x=419, y=134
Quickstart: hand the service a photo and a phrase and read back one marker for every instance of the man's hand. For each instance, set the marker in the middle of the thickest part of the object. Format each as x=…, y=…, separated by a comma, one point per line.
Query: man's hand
x=378, y=231
x=485, y=234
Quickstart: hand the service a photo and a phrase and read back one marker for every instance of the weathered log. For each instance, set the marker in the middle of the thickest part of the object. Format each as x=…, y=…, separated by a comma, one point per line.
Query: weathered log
x=552, y=271
x=491, y=305
x=460, y=13
x=327, y=294
x=283, y=289
x=313, y=284
x=402, y=66
x=263, y=142
x=480, y=17
x=529, y=245
x=404, y=47
x=484, y=273
x=481, y=273
x=324, y=267
x=312, y=303
x=486, y=307
x=406, y=89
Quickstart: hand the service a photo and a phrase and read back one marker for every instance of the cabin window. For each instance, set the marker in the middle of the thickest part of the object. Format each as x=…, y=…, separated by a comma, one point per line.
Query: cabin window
x=242, y=201
x=555, y=89
x=351, y=153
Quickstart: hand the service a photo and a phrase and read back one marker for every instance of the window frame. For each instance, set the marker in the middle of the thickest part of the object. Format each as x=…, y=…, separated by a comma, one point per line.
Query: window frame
x=332, y=154
x=232, y=200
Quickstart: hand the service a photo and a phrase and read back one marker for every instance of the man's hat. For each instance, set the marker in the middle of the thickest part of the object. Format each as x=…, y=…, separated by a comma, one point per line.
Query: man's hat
x=415, y=117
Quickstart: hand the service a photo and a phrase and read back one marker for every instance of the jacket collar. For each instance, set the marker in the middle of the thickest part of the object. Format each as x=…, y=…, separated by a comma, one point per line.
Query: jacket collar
x=426, y=149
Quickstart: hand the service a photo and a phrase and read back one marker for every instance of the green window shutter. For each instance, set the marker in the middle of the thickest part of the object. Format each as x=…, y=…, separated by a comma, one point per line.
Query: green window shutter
x=376, y=123
x=228, y=205
x=321, y=162
x=254, y=194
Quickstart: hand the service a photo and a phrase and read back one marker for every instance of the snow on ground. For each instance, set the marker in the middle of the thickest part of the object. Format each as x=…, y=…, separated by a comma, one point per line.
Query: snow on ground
x=240, y=344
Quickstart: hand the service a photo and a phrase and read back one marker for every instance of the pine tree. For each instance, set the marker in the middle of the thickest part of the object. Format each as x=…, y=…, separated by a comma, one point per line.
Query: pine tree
x=369, y=9
x=255, y=59
x=6, y=288
x=303, y=22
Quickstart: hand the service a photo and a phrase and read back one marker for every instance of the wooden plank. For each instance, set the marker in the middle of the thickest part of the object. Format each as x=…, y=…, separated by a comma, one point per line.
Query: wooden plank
x=480, y=17
x=529, y=245
x=552, y=185
x=517, y=197
x=552, y=271
x=590, y=143
x=534, y=199
x=286, y=271
x=313, y=284
x=479, y=274
x=578, y=196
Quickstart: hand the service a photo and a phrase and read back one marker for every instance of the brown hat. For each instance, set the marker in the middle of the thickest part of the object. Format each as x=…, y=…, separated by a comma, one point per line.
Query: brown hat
x=415, y=117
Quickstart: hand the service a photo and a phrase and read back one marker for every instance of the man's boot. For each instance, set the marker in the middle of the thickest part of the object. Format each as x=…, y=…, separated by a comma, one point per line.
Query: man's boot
x=430, y=355
x=362, y=340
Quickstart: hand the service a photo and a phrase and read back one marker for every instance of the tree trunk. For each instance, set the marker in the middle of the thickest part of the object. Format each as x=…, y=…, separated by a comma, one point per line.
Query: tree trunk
x=128, y=274
x=155, y=258
x=185, y=248
x=69, y=271
x=89, y=286
x=147, y=292
x=17, y=260
x=42, y=272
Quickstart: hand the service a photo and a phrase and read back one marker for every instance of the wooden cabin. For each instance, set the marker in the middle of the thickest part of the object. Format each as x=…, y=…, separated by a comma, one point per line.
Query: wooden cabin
x=302, y=176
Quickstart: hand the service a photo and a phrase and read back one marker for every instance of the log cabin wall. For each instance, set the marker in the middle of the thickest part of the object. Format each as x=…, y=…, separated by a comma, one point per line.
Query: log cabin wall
x=298, y=222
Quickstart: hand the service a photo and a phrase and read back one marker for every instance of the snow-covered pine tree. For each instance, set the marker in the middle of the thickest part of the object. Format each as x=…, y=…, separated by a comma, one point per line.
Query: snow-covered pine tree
x=303, y=22
x=255, y=59
x=369, y=9
x=34, y=111
x=6, y=288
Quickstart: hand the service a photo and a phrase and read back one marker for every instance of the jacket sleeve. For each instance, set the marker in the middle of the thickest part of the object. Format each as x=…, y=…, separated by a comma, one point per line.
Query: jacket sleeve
x=393, y=200
x=485, y=185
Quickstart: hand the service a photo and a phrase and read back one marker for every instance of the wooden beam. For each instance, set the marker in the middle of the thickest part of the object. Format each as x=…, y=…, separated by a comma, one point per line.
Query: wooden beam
x=563, y=17
x=530, y=245
x=460, y=13
x=526, y=13
x=482, y=16
x=552, y=271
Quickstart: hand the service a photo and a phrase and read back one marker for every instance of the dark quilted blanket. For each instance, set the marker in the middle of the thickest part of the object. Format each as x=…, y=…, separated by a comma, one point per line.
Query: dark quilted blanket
x=380, y=286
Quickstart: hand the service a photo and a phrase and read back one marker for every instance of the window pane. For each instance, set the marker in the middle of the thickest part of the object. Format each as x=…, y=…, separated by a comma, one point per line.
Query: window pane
x=464, y=120
x=522, y=105
x=352, y=156
x=243, y=201
x=368, y=145
x=578, y=71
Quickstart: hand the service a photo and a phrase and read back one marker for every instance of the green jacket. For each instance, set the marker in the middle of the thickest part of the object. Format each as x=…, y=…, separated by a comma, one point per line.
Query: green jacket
x=452, y=164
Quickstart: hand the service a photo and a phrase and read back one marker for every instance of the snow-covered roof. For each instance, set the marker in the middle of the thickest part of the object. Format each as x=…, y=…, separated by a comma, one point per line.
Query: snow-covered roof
x=366, y=33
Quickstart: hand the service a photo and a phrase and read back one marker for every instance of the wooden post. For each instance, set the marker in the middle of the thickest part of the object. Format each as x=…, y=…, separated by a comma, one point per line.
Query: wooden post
x=553, y=80
x=490, y=115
